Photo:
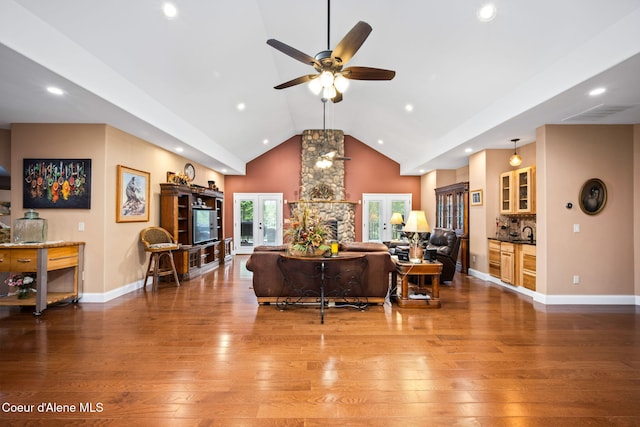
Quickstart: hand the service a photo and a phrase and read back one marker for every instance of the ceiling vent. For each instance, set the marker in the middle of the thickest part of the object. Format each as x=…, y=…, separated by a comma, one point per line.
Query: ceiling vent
x=597, y=113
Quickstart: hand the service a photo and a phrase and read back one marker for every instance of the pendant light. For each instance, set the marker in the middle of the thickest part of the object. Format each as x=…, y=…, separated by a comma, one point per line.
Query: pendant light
x=515, y=159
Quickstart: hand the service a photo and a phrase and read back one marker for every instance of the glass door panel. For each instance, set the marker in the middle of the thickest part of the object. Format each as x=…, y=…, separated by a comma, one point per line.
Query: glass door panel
x=374, y=219
x=257, y=221
x=377, y=212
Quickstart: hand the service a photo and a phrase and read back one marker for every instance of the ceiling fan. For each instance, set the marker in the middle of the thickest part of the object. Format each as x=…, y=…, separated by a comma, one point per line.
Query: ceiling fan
x=331, y=78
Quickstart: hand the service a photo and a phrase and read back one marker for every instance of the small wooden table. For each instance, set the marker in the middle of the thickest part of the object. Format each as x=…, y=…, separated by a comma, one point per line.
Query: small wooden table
x=426, y=268
x=59, y=268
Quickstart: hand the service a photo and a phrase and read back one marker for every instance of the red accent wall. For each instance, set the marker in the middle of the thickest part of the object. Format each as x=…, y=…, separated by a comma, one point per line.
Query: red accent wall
x=373, y=172
x=278, y=171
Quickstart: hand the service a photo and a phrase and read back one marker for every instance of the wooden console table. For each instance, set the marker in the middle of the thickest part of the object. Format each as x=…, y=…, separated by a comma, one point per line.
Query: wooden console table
x=59, y=268
x=425, y=268
x=302, y=280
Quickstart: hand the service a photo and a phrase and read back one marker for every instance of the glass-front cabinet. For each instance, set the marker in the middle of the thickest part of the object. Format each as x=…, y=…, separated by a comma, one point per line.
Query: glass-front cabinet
x=506, y=190
x=452, y=211
x=517, y=191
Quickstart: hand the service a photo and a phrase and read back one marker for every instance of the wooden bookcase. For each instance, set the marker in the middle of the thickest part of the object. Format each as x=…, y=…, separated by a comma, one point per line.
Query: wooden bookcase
x=176, y=216
x=452, y=211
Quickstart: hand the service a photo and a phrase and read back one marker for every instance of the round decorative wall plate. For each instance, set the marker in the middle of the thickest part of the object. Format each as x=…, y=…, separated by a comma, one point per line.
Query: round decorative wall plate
x=190, y=171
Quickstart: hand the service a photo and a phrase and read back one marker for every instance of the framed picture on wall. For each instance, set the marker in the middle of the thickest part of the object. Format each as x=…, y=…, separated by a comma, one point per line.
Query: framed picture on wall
x=475, y=197
x=132, y=195
x=593, y=196
x=56, y=183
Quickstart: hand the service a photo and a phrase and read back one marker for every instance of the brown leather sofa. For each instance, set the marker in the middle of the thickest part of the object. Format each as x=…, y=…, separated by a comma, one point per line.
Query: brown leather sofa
x=446, y=243
x=268, y=280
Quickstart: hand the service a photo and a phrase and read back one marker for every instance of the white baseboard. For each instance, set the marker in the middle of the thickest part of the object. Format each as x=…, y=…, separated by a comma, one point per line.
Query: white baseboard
x=112, y=294
x=561, y=299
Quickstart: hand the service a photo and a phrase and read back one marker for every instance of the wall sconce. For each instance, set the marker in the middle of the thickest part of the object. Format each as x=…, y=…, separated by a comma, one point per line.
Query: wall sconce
x=515, y=159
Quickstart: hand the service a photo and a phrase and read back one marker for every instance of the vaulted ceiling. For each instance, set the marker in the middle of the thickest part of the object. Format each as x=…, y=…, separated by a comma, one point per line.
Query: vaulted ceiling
x=179, y=82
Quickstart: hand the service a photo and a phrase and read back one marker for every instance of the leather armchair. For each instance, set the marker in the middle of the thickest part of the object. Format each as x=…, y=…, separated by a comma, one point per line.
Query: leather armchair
x=446, y=243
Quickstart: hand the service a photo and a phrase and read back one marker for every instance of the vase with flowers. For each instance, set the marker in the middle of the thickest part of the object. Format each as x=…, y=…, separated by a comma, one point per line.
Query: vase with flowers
x=22, y=283
x=308, y=233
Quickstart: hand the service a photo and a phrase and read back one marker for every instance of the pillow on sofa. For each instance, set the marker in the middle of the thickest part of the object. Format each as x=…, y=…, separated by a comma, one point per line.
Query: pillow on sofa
x=363, y=247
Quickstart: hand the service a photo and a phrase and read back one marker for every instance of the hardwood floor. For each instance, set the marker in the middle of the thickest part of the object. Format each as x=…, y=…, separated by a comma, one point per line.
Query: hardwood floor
x=207, y=354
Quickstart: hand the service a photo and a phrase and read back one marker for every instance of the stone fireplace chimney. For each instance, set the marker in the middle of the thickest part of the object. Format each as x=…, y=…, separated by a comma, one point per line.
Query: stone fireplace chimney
x=314, y=145
x=321, y=189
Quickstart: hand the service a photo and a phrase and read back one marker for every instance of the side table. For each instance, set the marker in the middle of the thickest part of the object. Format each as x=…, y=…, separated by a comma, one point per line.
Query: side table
x=309, y=277
x=425, y=268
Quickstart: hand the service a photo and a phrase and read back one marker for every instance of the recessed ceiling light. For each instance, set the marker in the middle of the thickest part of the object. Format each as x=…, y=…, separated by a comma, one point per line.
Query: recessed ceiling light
x=241, y=106
x=170, y=10
x=380, y=142
x=223, y=171
x=55, y=90
x=487, y=12
x=421, y=170
x=408, y=107
x=179, y=149
x=265, y=141
x=597, y=91
x=468, y=150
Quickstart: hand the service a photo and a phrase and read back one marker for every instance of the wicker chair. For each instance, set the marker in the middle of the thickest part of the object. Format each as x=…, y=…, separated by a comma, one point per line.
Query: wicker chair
x=159, y=243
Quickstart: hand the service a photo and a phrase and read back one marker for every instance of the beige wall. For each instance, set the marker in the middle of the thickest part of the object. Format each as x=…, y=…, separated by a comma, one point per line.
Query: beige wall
x=114, y=259
x=5, y=162
x=479, y=219
x=485, y=168
x=636, y=210
x=602, y=253
x=436, y=179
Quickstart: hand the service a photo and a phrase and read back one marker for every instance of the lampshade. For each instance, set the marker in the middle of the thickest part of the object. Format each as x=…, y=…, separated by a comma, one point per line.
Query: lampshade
x=396, y=218
x=328, y=84
x=341, y=83
x=326, y=78
x=417, y=223
x=315, y=86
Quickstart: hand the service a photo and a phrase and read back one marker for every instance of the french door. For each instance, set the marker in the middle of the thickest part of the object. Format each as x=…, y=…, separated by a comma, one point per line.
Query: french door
x=376, y=213
x=257, y=220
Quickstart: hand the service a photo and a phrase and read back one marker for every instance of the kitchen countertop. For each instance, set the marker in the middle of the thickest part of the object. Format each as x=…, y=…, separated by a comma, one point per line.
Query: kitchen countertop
x=516, y=241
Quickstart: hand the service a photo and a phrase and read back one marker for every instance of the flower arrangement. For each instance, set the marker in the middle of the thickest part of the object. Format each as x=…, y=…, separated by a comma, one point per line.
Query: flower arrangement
x=179, y=178
x=21, y=283
x=308, y=233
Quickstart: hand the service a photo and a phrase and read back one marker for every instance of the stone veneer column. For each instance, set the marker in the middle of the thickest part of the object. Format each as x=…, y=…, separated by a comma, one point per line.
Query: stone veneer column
x=313, y=147
x=336, y=208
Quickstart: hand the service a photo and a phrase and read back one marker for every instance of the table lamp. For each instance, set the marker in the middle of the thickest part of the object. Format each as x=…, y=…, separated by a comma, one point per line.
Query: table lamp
x=396, y=220
x=416, y=224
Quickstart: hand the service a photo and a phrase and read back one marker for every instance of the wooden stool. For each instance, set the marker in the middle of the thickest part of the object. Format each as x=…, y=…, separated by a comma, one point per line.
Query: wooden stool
x=159, y=243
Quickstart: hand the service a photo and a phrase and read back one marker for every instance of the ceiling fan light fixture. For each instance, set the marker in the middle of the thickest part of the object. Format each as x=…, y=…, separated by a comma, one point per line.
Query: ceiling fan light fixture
x=326, y=78
x=329, y=92
x=315, y=86
x=341, y=83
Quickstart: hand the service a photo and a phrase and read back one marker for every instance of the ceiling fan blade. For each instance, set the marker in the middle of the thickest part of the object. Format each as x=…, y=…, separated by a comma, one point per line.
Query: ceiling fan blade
x=337, y=98
x=368, y=73
x=350, y=44
x=292, y=52
x=296, y=81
